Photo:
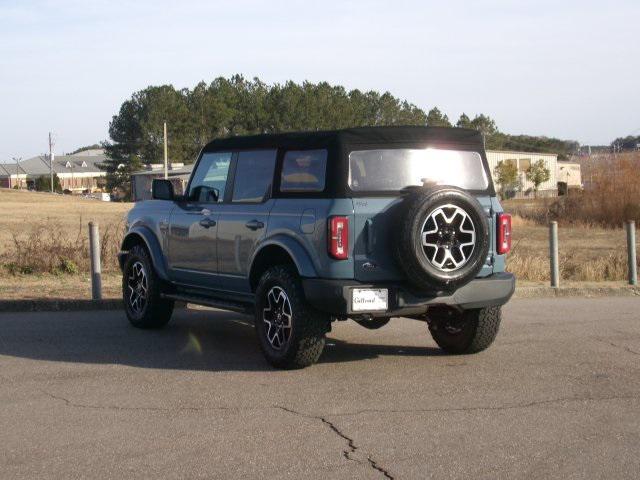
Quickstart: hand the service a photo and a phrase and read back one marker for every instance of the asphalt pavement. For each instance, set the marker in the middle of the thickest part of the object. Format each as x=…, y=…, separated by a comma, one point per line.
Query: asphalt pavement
x=84, y=395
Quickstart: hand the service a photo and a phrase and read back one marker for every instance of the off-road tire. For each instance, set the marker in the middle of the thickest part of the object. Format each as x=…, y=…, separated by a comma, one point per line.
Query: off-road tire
x=157, y=311
x=407, y=244
x=308, y=325
x=478, y=329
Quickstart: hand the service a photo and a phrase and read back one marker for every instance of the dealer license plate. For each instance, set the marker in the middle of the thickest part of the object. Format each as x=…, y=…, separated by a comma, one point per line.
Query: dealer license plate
x=369, y=299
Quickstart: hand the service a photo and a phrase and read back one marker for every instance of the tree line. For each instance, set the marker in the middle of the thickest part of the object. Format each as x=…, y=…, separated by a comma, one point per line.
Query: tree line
x=239, y=106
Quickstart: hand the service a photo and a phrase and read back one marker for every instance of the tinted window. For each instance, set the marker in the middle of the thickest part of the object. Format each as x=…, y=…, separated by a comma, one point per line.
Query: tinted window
x=210, y=176
x=395, y=169
x=254, y=174
x=304, y=171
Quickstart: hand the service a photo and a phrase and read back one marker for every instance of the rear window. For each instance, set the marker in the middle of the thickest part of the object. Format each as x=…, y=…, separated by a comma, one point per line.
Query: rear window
x=304, y=171
x=254, y=173
x=395, y=169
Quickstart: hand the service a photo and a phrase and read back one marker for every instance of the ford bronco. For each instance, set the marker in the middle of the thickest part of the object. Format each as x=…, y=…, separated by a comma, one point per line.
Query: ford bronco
x=302, y=229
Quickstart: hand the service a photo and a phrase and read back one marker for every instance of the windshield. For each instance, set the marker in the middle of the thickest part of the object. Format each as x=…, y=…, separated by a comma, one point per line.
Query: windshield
x=395, y=169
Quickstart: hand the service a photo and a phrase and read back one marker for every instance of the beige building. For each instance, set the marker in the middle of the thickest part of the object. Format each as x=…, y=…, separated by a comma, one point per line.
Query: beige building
x=77, y=173
x=569, y=176
x=523, y=160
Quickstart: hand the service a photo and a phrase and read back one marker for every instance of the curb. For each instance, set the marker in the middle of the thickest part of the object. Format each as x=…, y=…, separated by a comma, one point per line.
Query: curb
x=584, y=292
x=66, y=305
x=59, y=305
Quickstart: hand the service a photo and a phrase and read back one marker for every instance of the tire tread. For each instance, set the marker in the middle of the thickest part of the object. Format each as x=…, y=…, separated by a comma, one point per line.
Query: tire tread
x=309, y=330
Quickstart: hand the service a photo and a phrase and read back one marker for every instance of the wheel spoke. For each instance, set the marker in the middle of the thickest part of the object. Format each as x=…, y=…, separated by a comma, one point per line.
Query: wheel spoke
x=446, y=236
x=277, y=318
x=137, y=287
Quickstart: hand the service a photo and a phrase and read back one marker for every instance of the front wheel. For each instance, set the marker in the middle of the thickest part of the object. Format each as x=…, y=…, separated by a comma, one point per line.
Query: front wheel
x=141, y=292
x=469, y=331
x=291, y=332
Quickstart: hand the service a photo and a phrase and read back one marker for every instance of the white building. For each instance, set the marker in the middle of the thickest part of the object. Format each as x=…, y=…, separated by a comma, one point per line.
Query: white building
x=523, y=160
x=569, y=176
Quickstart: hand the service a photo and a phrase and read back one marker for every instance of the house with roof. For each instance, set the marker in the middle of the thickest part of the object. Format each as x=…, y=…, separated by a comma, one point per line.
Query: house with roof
x=78, y=173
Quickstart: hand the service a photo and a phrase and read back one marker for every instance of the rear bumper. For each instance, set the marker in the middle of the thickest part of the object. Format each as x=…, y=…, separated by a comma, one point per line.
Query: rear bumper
x=334, y=296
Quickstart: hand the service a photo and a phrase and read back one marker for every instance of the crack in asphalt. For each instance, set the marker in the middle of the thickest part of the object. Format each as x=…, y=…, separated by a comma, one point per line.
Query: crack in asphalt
x=622, y=347
x=351, y=449
x=70, y=403
x=514, y=406
x=347, y=453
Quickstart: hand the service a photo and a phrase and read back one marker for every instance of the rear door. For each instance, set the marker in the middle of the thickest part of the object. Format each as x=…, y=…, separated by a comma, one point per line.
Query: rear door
x=376, y=180
x=192, y=251
x=243, y=218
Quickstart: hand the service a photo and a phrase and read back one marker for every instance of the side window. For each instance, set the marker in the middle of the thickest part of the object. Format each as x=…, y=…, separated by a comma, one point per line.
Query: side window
x=210, y=178
x=524, y=164
x=254, y=175
x=304, y=171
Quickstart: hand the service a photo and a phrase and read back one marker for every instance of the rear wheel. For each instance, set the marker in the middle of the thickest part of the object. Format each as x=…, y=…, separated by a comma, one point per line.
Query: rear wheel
x=470, y=331
x=291, y=332
x=141, y=292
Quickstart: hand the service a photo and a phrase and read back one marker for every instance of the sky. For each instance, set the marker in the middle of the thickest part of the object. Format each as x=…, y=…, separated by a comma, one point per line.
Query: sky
x=567, y=69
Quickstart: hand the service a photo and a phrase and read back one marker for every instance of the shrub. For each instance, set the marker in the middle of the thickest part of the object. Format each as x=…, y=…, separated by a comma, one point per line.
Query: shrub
x=68, y=266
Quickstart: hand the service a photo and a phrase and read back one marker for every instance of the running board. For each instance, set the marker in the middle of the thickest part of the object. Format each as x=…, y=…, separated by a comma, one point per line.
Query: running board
x=239, y=307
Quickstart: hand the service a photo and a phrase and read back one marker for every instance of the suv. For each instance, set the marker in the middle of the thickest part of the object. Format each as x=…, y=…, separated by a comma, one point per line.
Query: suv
x=301, y=229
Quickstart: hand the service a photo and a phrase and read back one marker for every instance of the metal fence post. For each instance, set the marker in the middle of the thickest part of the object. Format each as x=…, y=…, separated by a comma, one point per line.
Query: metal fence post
x=553, y=254
x=631, y=252
x=94, y=250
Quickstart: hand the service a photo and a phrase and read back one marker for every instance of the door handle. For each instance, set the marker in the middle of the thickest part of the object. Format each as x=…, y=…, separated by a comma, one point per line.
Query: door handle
x=254, y=224
x=207, y=222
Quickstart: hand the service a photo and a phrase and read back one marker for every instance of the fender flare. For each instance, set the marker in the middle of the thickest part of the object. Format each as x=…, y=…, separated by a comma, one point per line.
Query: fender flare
x=296, y=251
x=153, y=246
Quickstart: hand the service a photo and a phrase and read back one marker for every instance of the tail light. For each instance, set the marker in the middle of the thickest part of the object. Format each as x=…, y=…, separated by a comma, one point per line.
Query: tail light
x=503, y=240
x=339, y=237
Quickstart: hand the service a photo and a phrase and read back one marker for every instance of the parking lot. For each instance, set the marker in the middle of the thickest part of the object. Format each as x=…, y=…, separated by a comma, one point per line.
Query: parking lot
x=558, y=395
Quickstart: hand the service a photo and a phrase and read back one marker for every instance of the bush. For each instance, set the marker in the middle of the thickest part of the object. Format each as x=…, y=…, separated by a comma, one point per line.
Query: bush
x=68, y=266
x=43, y=184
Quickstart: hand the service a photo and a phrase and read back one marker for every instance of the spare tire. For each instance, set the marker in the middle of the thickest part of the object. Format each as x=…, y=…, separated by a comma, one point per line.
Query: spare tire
x=442, y=238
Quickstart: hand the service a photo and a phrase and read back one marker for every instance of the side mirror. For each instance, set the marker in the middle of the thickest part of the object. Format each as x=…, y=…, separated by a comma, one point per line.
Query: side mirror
x=162, y=190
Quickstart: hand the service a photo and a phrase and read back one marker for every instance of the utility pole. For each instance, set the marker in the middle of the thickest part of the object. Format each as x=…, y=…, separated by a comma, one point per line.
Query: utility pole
x=51, y=160
x=17, y=160
x=166, y=171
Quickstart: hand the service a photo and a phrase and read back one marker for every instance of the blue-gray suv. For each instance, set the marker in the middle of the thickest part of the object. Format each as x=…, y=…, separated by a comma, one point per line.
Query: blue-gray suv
x=302, y=229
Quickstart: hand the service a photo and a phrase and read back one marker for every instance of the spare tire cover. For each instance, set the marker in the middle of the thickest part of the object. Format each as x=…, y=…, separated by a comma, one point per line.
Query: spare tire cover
x=442, y=238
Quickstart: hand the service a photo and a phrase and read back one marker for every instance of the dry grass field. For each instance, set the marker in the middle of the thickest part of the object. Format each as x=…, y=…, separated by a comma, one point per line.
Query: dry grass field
x=587, y=253
x=41, y=231
x=44, y=244
x=44, y=247
x=22, y=211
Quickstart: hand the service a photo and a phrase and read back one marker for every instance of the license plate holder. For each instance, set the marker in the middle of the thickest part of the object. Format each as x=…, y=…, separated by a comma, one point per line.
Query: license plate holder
x=369, y=299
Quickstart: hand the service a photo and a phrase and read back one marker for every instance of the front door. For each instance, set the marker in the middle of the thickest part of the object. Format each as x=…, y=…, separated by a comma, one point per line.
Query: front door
x=192, y=251
x=242, y=223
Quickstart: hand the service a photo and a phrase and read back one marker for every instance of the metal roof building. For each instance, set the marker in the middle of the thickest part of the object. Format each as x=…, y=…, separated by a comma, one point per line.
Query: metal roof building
x=77, y=173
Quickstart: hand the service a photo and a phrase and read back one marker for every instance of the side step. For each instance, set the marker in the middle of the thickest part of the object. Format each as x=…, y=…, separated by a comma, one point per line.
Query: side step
x=233, y=306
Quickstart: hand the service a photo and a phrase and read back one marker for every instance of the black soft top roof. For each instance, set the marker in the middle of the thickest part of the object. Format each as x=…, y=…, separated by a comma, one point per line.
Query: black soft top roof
x=344, y=138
